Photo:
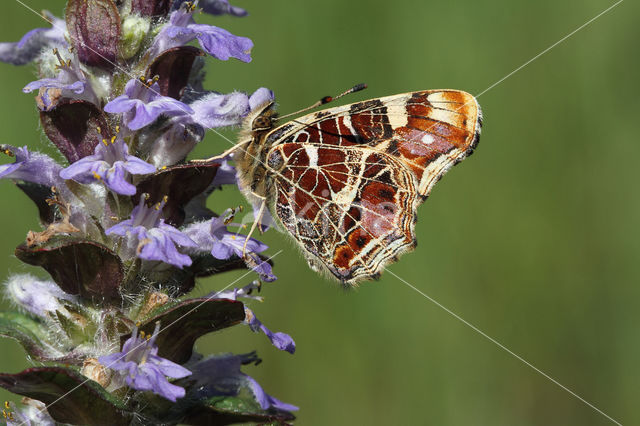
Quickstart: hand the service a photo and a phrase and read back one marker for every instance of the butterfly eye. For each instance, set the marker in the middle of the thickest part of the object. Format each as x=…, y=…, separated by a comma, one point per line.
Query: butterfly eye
x=262, y=122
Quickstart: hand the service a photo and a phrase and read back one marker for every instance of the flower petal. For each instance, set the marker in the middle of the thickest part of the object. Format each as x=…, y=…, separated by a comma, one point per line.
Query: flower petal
x=221, y=44
x=116, y=181
x=32, y=43
x=169, y=368
x=216, y=110
x=260, y=97
x=31, y=167
x=121, y=104
x=136, y=166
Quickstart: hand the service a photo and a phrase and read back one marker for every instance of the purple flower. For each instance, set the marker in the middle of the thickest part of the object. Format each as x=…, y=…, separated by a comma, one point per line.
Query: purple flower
x=33, y=42
x=219, y=43
x=34, y=413
x=110, y=164
x=212, y=110
x=142, y=104
x=30, y=167
x=280, y=340
x=217, y=110
x=260, y=97
x=220, y=375
x=216, y=7
x=225, y=175
x=39, y=297
x=213, y=236
x=185, y=131
x=69, y=83
x=144, y=369
x=155, y=239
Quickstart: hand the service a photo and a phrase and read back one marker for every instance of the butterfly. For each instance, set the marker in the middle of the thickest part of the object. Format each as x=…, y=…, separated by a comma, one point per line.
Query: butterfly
x=346, y=182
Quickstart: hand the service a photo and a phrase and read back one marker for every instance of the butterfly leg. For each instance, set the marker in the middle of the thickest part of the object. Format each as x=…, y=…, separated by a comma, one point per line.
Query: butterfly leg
x=255, y=224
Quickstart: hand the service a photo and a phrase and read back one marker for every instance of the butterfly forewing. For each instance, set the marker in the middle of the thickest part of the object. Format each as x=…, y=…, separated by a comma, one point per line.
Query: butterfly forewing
x=348, y=180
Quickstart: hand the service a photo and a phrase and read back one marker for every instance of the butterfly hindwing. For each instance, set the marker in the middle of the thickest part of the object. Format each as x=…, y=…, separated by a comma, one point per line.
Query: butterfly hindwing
x=350, y=208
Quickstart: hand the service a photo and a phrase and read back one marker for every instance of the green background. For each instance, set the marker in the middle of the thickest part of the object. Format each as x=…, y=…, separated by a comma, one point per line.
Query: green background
x=534, y=240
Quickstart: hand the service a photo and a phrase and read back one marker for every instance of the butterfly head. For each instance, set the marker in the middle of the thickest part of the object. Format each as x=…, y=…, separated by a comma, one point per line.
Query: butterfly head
x=265, y=120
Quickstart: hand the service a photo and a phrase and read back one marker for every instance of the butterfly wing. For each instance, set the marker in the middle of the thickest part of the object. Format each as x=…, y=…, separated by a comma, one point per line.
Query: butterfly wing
x=349, y=179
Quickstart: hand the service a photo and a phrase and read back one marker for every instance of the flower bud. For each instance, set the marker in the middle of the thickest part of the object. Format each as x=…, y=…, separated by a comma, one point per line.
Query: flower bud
x=134, y=31
x=95, y=371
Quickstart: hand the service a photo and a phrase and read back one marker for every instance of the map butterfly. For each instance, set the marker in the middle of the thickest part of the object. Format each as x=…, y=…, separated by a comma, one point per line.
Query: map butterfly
x=346, y=182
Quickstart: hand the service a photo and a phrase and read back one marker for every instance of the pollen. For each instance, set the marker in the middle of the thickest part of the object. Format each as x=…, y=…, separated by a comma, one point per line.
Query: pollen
x=104, y=141
x=97, y=176
x=8, y=152
x=113, y=139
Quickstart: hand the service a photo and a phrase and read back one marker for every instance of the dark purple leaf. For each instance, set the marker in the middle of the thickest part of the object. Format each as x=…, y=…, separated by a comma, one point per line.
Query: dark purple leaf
x=202, y=266
x=205, y=266
x=39, y=195
x=219, y=411
x=151, y=7
x=69, y=396
x=73, y=127
x=94, y=28
x=173, y=67
x=186, y=321
x=78, y=267
x=181, y=184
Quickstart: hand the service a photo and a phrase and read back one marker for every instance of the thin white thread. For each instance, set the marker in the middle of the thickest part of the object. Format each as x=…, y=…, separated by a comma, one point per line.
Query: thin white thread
x=501, y=346
x=548, y=48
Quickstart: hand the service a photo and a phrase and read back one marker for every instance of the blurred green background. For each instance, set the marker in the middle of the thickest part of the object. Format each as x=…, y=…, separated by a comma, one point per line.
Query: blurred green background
x=534, y=239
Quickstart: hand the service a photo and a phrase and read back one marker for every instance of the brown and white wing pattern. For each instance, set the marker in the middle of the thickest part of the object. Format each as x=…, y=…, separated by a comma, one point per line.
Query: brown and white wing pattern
x=348, y=180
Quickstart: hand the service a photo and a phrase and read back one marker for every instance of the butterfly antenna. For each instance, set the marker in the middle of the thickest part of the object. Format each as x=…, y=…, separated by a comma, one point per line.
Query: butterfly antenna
x=327, y=99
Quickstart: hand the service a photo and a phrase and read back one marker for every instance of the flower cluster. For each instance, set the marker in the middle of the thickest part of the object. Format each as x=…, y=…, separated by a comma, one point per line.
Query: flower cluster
x=125, y=230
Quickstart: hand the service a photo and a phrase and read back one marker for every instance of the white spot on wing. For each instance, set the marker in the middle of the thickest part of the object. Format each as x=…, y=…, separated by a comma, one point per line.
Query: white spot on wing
x=427, y=139
x=312, y=153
